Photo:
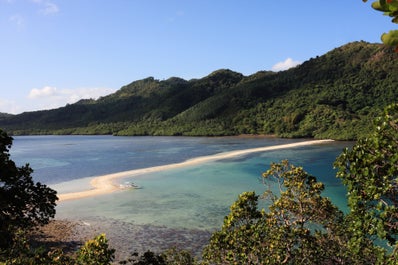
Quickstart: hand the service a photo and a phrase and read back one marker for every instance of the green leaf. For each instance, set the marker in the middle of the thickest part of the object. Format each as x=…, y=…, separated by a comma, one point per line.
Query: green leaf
x=380, y=6
x=390, y=38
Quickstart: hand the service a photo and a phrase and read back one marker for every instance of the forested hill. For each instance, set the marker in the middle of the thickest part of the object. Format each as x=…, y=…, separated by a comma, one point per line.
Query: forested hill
x=336, y=95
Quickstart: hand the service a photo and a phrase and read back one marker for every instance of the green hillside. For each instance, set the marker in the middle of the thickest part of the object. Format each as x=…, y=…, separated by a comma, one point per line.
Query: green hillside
x=336, y=95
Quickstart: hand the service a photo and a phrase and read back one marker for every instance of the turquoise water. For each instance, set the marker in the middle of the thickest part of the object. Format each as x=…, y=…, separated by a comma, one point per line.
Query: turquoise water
x=190, y=197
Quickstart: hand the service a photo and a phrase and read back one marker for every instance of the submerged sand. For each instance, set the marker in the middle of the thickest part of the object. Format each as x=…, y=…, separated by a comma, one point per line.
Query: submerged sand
x=125, y=237
x=105, y=184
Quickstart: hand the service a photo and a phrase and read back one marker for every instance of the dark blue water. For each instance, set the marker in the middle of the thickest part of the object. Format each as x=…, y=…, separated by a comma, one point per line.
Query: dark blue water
x=57, y=159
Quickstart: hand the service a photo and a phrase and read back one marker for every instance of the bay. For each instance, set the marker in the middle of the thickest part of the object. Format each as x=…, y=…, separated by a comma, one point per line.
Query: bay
x=57, y=159
x=194, y=197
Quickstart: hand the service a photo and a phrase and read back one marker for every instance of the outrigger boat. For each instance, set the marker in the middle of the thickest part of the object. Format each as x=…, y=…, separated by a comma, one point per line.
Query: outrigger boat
x=129, y=185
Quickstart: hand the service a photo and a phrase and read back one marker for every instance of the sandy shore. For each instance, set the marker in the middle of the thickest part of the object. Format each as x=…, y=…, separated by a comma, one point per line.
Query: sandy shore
x=104, y=184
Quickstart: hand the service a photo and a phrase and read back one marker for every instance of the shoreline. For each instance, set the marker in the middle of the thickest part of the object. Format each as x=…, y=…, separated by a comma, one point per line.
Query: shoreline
x=102, y=185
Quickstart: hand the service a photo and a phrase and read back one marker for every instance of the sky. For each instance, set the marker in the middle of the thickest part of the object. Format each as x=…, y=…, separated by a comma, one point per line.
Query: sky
x=56, y=52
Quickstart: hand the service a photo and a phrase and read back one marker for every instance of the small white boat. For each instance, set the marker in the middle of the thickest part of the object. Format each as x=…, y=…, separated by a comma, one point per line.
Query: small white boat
x=129, y=185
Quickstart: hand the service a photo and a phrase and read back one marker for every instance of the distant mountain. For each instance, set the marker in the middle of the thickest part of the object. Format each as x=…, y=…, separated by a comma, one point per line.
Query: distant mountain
x=336, y=95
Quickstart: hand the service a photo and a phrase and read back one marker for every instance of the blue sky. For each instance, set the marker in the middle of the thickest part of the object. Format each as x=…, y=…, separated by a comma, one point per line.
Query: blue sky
x=55, y=52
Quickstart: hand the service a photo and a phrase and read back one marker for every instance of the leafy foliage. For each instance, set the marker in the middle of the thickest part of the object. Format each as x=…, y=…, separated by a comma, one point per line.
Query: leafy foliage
x=172, y=256
x=23, y=203
x=299, y=227
x=96, y=251
x=147, y=258
x=370, y=172
x=389, y=8
x=336, y=95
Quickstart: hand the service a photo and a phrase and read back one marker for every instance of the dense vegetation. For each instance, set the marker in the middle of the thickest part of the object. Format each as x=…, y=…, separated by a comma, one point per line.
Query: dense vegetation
x=23, y=203
x=26, y=205
x=336, y=95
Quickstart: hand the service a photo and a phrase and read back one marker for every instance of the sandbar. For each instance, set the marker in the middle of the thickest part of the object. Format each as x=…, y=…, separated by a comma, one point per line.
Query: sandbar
x=105, y=184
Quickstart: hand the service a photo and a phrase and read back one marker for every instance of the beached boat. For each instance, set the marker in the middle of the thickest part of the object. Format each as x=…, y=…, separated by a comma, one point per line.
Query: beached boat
x=129, y=185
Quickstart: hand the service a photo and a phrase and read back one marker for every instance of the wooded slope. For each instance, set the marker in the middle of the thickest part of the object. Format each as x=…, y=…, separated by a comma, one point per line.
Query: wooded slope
x=336, y=95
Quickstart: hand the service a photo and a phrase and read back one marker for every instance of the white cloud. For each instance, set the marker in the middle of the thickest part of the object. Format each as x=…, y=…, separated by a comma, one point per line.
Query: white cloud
x=49, y=8
x=44, y=92
x=286, y=64
x=18, y=20
x=46, y=7
x=50, y=97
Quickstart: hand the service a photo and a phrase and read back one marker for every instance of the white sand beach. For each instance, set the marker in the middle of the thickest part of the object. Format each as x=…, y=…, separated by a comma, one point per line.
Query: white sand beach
x=105, y=184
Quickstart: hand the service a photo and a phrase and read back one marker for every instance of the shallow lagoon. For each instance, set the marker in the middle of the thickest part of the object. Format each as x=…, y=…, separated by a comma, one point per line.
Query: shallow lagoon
x=194, y=197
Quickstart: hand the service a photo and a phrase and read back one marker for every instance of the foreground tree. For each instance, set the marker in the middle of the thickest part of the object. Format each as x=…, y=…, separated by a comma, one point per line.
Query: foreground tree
x=24, y=204
x=240, y=240
x=370, y=172
x=96, y=251
x=299, y=227
x=171, y=256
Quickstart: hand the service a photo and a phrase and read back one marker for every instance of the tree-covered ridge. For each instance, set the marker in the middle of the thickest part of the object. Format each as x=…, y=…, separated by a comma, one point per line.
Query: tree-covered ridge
x=336, y=95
